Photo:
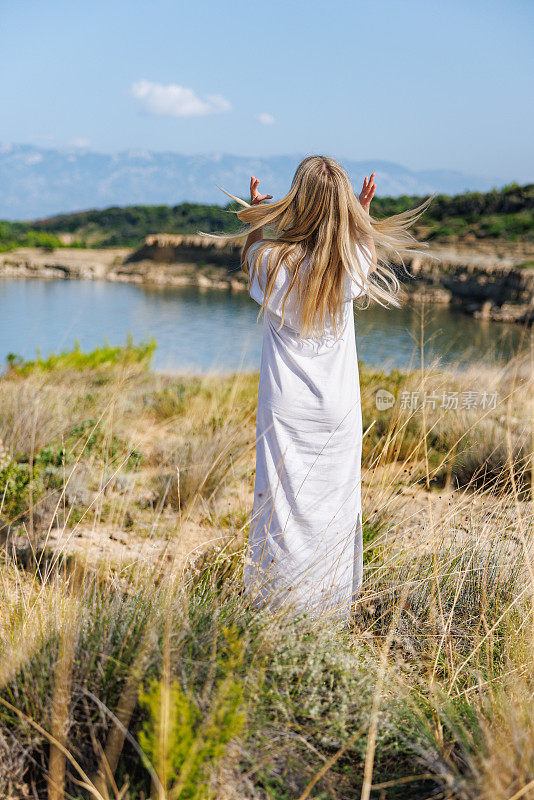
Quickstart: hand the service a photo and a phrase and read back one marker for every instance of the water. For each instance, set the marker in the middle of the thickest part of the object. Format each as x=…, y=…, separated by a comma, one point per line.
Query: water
x=202, y=329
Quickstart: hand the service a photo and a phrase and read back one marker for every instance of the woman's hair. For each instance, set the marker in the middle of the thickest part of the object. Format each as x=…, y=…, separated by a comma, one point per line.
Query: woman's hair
x=321, y=217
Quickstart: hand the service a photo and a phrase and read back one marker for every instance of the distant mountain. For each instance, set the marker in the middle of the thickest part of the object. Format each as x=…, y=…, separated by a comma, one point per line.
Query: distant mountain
x=37, y=182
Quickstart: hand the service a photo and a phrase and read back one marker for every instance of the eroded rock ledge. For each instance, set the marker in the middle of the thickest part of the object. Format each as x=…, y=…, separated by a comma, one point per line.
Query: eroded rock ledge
x=495, y=283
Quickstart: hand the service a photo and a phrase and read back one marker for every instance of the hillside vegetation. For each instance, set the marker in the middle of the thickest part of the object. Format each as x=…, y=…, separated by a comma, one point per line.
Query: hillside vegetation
x=505, y=214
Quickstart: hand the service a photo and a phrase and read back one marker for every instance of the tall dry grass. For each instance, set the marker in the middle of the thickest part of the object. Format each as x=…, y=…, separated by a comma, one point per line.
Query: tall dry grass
x=132, y=662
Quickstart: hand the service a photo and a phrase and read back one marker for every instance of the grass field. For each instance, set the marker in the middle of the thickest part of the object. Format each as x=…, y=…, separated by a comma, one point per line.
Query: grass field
x=133, y=665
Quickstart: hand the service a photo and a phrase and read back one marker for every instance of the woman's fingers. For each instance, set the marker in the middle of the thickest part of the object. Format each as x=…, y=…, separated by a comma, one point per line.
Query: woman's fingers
x=368, y=190
x=369, y=187
x=255, y=196
x=259, y=198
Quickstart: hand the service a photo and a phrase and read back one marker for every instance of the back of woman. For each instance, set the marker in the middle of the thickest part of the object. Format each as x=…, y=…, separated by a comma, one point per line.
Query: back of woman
x=318, y=373
x=305, y=546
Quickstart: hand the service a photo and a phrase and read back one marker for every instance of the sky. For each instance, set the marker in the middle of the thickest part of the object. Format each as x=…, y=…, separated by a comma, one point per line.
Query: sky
x=429, y=85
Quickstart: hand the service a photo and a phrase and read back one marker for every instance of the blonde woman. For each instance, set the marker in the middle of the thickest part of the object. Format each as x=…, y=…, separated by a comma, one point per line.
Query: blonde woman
x=305, y=541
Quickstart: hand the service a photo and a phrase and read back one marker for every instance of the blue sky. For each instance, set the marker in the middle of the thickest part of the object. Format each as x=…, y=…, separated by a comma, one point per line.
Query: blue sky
x=426, y=84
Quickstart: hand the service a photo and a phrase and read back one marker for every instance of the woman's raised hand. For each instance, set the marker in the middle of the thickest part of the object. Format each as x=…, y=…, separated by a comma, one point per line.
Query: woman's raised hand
x=366, y=194
x=255, y=197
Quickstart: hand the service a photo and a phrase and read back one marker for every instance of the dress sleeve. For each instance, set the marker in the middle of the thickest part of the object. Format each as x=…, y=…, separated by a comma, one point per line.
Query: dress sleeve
x=280, y=285
x=355, y=287
x=255, y=290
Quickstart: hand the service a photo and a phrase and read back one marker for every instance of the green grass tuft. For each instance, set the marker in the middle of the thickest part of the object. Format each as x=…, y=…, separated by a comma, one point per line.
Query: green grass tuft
x=77, y=359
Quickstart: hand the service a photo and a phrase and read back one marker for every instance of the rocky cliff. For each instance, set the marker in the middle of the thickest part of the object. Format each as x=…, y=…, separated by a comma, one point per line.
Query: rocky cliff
x=491, y=282
x=189, y=249
x=481, y=285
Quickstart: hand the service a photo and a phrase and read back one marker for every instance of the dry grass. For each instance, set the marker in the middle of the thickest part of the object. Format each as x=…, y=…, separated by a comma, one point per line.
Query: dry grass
x=125, y=503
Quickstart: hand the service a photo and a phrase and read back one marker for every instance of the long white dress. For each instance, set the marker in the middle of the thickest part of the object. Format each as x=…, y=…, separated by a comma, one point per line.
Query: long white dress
x=305, y=542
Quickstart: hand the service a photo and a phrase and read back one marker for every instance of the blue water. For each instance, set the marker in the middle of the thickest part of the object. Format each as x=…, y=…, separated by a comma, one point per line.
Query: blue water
x=214, y=330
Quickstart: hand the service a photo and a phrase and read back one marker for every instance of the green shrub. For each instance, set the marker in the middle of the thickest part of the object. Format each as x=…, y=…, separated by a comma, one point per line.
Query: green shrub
x=15, y=480
x=182, y=747
x=77, y=359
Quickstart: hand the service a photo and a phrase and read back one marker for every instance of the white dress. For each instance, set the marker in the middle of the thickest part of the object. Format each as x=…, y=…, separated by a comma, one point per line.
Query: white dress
x=305, y=542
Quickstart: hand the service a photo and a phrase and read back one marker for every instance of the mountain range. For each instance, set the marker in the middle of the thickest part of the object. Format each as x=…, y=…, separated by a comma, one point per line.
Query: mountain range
x=36, y=182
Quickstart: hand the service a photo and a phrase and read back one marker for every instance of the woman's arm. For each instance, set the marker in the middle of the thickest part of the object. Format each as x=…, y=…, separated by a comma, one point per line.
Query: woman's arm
x=366, y=195
x=255, y=199
x=368, y=242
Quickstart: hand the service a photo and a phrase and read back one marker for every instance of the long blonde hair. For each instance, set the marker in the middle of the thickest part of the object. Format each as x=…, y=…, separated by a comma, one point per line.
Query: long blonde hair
x=321, y=217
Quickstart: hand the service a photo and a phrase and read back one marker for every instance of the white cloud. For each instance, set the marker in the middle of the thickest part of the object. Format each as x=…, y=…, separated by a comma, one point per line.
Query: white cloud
x=80, y=143
x=265, y=119
x=33, y=158
x=176, y=101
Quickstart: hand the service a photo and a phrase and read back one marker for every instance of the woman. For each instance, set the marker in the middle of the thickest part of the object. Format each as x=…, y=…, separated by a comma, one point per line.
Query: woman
x=305, y=542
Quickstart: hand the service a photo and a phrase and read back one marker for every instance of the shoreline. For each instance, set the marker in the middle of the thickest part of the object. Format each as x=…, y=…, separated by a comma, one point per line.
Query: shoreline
x=493, y=286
